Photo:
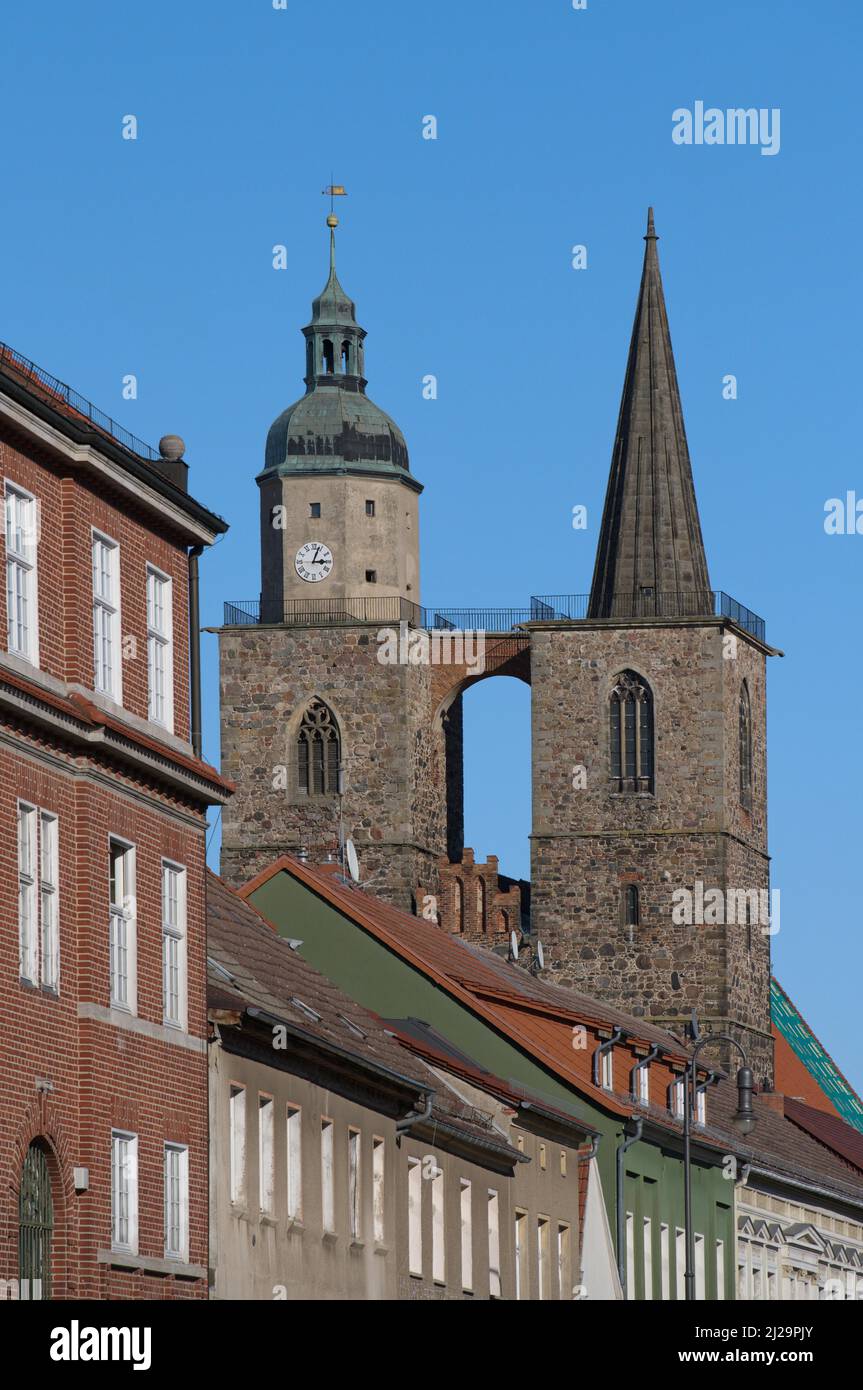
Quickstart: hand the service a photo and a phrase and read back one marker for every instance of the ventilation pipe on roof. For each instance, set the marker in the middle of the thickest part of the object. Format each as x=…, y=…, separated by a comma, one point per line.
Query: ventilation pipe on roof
x=632, y=1129
x=415, y=1116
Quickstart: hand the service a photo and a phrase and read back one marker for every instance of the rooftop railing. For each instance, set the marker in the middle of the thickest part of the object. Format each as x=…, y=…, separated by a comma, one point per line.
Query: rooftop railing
x=554, y=608
x=61, y=395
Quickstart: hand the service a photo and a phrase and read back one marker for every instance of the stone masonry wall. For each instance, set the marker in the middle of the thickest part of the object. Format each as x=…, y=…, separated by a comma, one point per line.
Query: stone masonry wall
x=589, y=842
x=394, y=799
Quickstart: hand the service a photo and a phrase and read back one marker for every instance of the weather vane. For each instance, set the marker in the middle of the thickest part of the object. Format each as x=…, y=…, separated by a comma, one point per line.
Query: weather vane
x=334, y=190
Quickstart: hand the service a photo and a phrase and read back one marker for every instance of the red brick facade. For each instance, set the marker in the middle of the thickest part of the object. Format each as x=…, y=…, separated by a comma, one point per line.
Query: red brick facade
x=74, y=1067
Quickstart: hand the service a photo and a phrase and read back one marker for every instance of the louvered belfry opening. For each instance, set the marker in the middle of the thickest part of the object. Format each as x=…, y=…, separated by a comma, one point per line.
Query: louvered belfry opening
x=631, y=735
x=318, y=752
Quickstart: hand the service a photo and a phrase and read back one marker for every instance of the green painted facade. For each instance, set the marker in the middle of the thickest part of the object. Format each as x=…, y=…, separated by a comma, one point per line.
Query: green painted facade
x=381, y=981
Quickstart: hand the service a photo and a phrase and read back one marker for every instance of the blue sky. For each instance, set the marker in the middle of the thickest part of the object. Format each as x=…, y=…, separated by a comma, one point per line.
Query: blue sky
x=154, y=257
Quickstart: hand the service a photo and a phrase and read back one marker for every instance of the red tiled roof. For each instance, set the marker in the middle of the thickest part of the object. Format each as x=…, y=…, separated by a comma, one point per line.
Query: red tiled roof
x=266, y=973
x=830, y=1130
x=794, y=1079
x=537, y=1017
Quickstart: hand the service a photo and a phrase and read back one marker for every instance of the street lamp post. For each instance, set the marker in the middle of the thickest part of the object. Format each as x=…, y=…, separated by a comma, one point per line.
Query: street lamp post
x=744, y=1119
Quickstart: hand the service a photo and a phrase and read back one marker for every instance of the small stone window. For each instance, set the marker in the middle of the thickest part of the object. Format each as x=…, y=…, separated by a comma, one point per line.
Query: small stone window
x=631, y=907
x=370, y=507
x=371, y=576
x=744, y=729
x=318, y=752
x=631, y=734
x=314, y=509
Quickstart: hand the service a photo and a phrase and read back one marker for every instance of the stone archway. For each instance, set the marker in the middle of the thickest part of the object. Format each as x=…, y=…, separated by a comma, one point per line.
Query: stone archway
x=502, y=654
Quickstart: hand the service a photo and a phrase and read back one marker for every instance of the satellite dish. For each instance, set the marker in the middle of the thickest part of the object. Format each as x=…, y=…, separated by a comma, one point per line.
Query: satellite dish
x=540, y=956
x=352, y=861
x=513, y=945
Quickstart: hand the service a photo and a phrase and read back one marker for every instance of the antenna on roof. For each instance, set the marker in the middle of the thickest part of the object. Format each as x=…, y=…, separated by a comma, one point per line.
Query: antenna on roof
x=513, y=945
x=352, y=861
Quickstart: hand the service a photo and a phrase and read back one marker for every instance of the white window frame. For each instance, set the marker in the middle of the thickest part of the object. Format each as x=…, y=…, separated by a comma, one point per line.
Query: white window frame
x=28, y=898
x=665, y=1261
x=49, y=899
x=175, y=949
x=107, y=618
x=328, y=1175
x=124, y=1165
x=237, y=1142
x=38, y=896
x=543, y=1258
x=643, y=1085
x=520, y=1253
x=295, y=1162
x=176, y=1180
x=606, y=1070
x=355, y=1182
x=22, y=574
x=160, y=647
x=123, y=927
x=494, y=1271
x=266, y=1154
x=630, y=1256
x=438, y=1227
x=647, y=1256
x=379, y=1175
x=466, y=1221
x=678, y=1097
x=564, y=1260
x=415, y=1220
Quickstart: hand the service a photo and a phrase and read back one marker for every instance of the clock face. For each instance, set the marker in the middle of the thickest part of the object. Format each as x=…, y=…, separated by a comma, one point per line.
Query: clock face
x=313, y=561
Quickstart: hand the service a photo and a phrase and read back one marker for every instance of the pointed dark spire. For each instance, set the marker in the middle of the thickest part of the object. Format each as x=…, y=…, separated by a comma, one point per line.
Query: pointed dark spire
x=650, y=559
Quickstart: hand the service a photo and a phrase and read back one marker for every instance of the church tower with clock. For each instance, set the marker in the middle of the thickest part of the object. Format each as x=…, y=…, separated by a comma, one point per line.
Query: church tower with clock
x=648, y=703
x=339, y=514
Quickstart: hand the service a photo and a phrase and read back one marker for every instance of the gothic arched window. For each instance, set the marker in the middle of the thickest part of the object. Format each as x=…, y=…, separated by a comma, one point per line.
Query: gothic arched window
x=458, y=904
x=744, y=724
x=328, y=363
x=480, y=903
x=631, y=713
x=346, y=357
x=318, y=752
x=631, y=907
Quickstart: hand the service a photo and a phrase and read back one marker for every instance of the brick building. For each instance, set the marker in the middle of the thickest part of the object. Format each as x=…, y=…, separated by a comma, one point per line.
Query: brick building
x=103, y=802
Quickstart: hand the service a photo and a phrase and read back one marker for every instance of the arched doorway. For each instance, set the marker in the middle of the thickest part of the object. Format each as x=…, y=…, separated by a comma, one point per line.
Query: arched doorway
x=35, y=1224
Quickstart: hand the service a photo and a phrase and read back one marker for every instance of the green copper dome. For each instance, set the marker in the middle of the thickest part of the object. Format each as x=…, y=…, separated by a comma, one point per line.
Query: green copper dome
x=334, y=427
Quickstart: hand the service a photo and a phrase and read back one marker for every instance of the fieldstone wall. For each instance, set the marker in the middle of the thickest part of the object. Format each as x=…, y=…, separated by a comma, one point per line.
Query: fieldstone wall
x=590, y=840
x=394, y=798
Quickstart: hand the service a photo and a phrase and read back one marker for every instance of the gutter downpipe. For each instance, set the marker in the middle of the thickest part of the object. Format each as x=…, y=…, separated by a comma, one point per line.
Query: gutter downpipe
x=416, y=1116
x=632, y=1129
x=195, y=651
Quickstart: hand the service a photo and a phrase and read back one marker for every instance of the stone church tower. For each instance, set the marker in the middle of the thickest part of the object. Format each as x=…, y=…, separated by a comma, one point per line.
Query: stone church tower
x=659, y=695
x=323, y=739
x=649, y=865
